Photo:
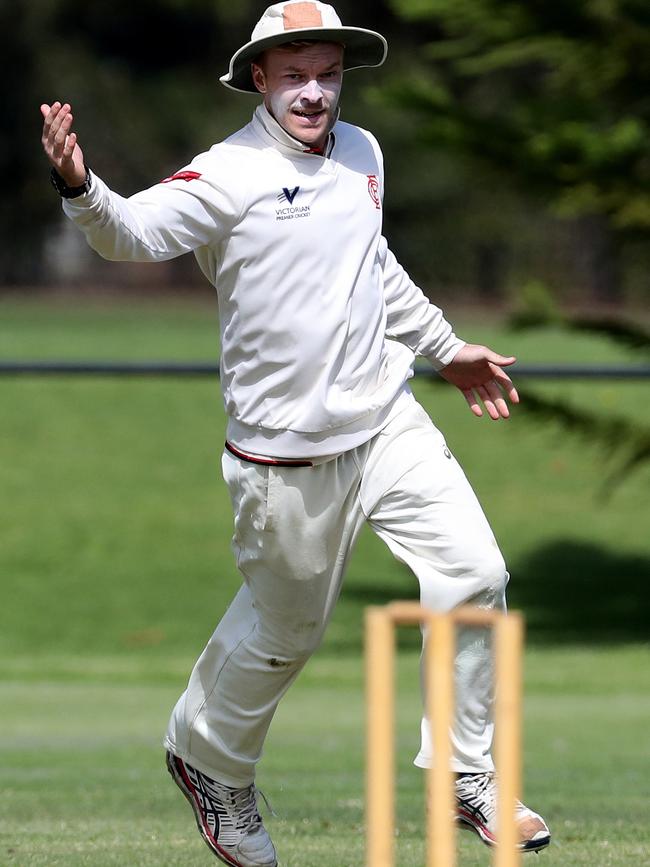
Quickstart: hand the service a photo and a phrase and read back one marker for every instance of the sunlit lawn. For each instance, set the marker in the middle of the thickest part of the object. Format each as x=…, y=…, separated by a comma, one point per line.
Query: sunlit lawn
x=115, y=565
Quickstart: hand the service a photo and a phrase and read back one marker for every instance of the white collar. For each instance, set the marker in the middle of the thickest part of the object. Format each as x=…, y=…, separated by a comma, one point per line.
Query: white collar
x=279, y=133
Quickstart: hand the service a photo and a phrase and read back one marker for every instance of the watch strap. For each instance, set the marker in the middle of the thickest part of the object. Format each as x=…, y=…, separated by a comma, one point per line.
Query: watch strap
x=67, y=192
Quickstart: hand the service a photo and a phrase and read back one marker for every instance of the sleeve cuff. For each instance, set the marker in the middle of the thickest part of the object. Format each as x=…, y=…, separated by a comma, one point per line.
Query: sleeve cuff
x=451, y=351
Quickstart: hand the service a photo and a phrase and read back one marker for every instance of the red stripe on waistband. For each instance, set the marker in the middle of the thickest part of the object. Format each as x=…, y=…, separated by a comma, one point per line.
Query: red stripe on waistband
x=265, y=462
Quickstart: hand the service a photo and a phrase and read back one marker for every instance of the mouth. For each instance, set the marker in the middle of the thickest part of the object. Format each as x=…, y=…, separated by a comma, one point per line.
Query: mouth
x=312, y=117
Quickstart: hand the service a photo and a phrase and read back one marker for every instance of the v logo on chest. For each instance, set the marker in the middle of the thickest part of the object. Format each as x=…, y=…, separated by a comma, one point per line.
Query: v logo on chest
x=288, y=195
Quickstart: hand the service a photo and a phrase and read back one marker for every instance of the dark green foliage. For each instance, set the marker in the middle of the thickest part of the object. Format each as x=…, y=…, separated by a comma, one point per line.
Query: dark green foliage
x=624, y=443
x=628, y=440
x=480, y=105
x=625, y=333
x=555, y=97
x=143, y=82
x=538, y=308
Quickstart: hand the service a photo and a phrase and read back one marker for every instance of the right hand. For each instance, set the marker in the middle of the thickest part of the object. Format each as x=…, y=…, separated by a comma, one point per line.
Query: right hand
x=477, y=371
x=60, y=145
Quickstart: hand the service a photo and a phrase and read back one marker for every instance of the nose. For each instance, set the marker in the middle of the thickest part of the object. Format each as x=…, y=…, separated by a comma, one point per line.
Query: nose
x=312, y=91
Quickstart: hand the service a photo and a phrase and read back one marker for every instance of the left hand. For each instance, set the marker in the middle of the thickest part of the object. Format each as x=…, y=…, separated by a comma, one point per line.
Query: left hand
x=60, y=143
x=477, y=371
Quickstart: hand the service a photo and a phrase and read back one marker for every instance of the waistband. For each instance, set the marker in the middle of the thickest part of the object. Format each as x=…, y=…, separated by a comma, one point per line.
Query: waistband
x=266, y=462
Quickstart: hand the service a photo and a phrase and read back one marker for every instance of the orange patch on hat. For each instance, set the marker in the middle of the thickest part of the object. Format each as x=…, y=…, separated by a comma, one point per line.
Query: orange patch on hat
x=299, y=15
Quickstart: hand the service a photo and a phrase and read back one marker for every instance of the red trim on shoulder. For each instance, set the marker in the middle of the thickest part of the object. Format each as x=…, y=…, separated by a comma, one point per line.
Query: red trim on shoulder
x=182, y=176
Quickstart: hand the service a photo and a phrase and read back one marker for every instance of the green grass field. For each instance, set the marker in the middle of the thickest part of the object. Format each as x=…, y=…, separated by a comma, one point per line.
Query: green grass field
x=115, y=566
x=84, y=784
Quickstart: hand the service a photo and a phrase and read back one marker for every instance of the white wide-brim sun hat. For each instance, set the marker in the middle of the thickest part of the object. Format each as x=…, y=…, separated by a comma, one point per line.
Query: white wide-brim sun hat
x=298, y=20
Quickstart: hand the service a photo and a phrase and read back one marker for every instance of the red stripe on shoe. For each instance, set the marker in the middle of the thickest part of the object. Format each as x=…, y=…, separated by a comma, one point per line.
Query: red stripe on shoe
x=474, y=822
x=226, y=856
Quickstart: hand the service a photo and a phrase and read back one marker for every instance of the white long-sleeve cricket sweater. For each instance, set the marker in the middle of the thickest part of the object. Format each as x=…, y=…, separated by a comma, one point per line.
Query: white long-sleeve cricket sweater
x=319, y=323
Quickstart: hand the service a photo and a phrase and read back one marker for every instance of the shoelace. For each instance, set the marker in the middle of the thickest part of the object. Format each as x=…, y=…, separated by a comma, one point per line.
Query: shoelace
x=244, y=809
x=480, y=790
x=239, y=804
x=475, y=786
x=267, y=803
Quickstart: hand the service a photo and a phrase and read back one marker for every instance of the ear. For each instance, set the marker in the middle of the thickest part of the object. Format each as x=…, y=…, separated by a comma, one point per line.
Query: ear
x=259, y=79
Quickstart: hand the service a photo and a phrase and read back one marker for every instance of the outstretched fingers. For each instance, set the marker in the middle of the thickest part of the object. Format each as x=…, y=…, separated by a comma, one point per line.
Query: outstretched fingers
x=69, y=145
x=505, y=383
x=472, y=401
x=60, y=142
x=491, y=398
x=478, y=373
x=59, y=132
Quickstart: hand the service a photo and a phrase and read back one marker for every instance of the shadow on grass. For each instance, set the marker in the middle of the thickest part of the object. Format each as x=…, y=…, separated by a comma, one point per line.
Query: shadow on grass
x=570, y=592
x=577, y=592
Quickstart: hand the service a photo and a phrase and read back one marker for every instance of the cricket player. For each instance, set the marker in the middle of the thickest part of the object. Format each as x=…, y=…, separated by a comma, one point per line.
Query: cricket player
x=320, y=326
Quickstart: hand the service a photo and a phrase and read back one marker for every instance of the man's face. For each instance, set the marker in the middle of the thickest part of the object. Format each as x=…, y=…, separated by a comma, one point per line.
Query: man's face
x=301, y=87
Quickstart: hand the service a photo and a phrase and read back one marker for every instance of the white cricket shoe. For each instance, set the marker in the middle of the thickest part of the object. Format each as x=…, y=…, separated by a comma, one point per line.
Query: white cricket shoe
x=228, y=819
x=476, y=796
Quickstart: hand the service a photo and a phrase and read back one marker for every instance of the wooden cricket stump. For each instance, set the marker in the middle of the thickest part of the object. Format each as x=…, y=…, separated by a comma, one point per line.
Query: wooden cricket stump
x=508, y=631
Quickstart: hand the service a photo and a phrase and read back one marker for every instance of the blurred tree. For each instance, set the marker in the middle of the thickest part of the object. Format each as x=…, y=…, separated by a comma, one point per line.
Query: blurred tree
x=487, y=102
x=22, y=208
x=551, y=97
x=625, y=443
x=143, y=82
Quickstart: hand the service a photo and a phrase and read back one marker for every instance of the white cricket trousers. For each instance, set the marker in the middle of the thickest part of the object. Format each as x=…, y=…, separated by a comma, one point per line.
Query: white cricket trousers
x=295, y=528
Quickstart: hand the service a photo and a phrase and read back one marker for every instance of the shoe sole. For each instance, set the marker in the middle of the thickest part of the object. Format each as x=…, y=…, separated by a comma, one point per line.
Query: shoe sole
x=528, y=846
x=183, y=782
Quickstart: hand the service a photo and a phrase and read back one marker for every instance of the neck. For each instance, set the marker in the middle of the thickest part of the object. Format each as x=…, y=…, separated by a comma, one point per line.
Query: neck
x=274, y=128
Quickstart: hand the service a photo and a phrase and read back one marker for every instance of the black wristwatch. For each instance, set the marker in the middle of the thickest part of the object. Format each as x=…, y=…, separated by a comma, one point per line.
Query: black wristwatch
x=67, y=192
